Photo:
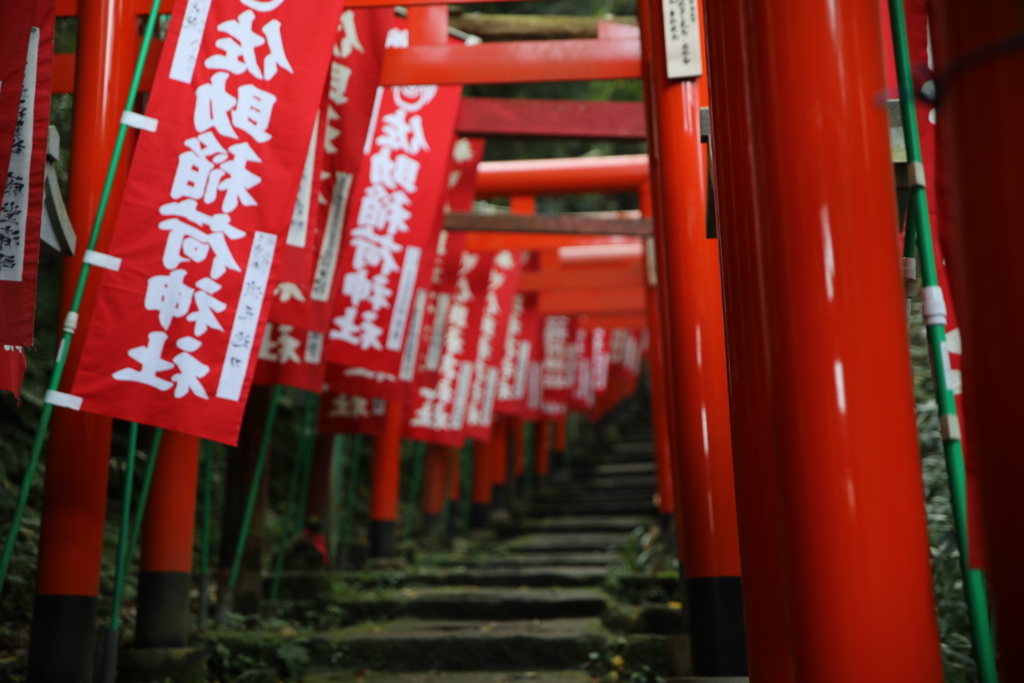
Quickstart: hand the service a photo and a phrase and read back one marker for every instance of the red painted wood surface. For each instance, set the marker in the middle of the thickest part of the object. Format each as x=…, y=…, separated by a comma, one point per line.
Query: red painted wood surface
x=531, y=61
x=576, y=301
x=501, y=116
x=580, y=277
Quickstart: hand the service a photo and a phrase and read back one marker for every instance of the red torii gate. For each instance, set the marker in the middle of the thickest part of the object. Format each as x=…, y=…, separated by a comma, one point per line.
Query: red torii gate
x=841, y=643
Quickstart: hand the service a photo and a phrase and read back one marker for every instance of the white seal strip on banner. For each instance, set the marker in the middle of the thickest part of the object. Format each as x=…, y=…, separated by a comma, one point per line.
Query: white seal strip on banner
x=140, y=121
x=62, y=400
x=934, y=306
x=101, y=260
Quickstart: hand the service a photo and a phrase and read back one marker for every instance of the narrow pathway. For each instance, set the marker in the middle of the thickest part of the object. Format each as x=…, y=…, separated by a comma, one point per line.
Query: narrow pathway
x=553, y=604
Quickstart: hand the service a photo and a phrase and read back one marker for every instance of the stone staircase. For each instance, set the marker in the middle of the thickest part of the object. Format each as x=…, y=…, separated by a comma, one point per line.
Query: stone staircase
x=551, y=604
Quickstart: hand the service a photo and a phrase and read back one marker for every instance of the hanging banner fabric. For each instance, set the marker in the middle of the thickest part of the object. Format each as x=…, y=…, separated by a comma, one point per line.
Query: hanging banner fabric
x=438, y=281
x=12, y=368
x=305, y=294
x=599, y=359
x=533, y=406
x=306, y=298
x=14, y=36
x=502, y=283
x=210, y=195
x=21, y=211
x=437, y=414
x=420, y=360
x=291, y=356
x=343, y=413
x=558, y=371
x=514, y=362
x=583, y=388
x=397, y=198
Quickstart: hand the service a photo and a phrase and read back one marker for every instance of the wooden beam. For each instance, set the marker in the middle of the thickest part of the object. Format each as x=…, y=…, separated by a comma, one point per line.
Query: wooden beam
x=630, y=275
x=499, y=27
x=69, y=8
x=561, y=224
x=496, y=241
x=577, y=301
x=610, y=321
x=529, y=61
x=508, y=117
x=618, y=173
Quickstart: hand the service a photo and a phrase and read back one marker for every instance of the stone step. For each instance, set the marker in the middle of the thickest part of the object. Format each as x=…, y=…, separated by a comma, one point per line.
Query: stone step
x=626, y=468
x=597, y=507
x=566, y=576
x=456, y=645
x=588, y=559
x=359, y=676
x=462, y=602
x=633, y=445
x=584, y=495
x=566, y=542
x=592, y=481
x=596, y=523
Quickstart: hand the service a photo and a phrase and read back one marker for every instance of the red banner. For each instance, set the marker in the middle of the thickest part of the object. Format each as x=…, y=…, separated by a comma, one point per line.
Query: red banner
x=600, y=359
x=306, y=292
x=558, y=371
x=21, y=212
x=343, y=413
x=394, y=222
x=14, y=35
x=356, y=58
x=503, y=281
x=12, y=368
x=437, y=414
x=533, y=408
x=514, y=362
x=421, y=357
x=206, y=205
x=583, y=388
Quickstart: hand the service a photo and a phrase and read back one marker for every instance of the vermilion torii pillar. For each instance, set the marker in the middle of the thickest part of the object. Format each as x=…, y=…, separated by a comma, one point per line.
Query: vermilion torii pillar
x=979, y=68
x=689, y=278
x=75, y=494
x=384, y=483
x=657, y=365
x=165, y=572
x=483, y=484
x=842, y=407
x=757, y=499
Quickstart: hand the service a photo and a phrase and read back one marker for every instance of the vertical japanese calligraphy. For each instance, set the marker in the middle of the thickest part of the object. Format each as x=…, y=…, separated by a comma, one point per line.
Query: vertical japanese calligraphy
x=438, y=412
x=397, y=199
x=210, y=197
x=21, y=209
x=498, y=304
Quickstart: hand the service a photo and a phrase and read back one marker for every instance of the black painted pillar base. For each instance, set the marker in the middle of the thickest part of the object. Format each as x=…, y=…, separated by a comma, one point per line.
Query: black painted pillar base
x=163, y=617
x=479, y=516
x=382, y=538
x=665, y=522
x=558, y=461
x=63, y=639
x=431, y=523
x=454, y=519
x=717, y=634
x=501, y=496
x=542, y=481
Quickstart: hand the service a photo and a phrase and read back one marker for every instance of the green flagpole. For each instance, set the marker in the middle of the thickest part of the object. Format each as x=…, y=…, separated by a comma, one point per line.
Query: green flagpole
x=935, y=321
x=227, y=595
